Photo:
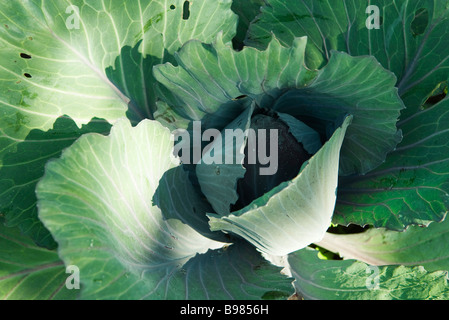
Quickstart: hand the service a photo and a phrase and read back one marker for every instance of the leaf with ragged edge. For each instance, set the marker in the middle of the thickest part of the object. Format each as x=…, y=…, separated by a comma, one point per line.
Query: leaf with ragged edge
x=412, y=187
x=317, y=279
x=212, y=81
x=357, y=86
x=96, y=201
x=411, y=39
x=296, y=213
x=167, y=25
x=277, y=79
x=28, y=272
x=84, y=59
x=416, y=246
x=247, y=10
x=22, y=169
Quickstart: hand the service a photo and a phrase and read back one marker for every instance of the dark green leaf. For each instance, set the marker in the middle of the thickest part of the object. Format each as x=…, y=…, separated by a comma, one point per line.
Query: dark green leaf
x=412, y=187
x=22, y=169
x=353, y=280
x=28, y=272
x=411, y=40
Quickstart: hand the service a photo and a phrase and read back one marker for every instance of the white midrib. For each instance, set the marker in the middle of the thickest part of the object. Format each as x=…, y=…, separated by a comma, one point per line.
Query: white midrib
x=94, y=68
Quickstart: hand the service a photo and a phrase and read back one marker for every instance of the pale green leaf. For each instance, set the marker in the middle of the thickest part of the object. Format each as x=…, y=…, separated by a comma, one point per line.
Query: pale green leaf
x=96, y=201
x=296, y=213
x=22, y=169
x=416, y=246
x=212, y=80
x=82, y=59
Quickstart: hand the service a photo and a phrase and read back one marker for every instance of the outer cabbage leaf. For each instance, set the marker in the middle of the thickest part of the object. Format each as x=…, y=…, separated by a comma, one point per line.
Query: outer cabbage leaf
x=355, y=280
x=412, y=187
x=357, y=86
x=28, y=272
x=22, y=169
x=83, y=59
x=96, y=201
x=247, y=11
x=410, y=41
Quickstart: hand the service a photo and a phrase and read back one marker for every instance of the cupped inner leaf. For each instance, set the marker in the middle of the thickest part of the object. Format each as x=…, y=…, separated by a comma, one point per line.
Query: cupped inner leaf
x=272, y=156
x=179, y=199
x=308, y=137
x=221, y=164
x=251, y=156
x=278, y=79
x=296, y=213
